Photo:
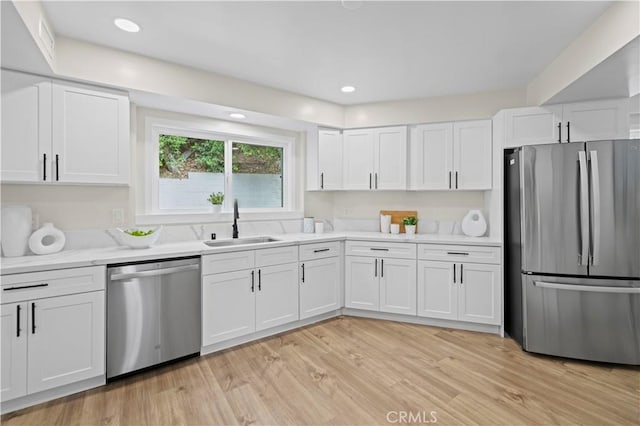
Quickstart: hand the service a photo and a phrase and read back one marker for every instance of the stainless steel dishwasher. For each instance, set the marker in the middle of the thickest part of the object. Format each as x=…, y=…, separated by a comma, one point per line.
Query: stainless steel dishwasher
x=153, y=313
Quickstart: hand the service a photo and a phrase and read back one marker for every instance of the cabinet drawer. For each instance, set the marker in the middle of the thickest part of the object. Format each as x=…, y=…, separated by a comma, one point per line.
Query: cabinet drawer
x=276, y=256
x=227, y=262
x=319, y=250
x=381, y=249
x=459, y=253
x=37, y=285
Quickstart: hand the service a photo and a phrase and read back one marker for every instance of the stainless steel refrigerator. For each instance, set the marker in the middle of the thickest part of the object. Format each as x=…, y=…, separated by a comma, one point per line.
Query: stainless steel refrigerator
x=572, y=249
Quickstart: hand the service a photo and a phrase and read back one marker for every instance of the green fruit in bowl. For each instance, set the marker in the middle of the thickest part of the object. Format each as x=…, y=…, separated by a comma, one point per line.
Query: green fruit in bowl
x=139, y=232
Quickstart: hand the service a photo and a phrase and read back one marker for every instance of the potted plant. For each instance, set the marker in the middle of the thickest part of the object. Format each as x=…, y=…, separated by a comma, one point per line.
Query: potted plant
x=216, y=199
x=410, y=223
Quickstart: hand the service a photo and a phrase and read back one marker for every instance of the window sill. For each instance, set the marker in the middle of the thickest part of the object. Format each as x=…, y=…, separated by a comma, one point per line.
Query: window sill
x=224, y=217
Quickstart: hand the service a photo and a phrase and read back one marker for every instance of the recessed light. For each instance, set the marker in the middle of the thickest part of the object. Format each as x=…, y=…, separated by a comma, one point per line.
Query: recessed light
x=237, y=115
x=126, y=25
x=348, y=89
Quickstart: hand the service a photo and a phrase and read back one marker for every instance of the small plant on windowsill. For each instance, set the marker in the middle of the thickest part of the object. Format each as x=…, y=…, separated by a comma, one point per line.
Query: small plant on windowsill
x=410, y=223
x=216, y=199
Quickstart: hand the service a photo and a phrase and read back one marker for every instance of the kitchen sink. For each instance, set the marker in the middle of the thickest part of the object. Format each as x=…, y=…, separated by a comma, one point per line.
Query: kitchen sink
x=240, y=241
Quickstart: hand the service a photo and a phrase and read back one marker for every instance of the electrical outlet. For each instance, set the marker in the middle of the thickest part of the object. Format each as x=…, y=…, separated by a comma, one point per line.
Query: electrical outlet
x=117, y=216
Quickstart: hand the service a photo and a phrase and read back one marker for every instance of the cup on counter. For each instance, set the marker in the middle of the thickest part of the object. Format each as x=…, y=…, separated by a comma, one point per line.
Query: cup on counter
x=395, y=228
x=319, y=227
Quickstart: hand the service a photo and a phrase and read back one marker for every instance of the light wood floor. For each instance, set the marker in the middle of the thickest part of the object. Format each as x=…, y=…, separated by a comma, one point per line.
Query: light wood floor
x=355, y=371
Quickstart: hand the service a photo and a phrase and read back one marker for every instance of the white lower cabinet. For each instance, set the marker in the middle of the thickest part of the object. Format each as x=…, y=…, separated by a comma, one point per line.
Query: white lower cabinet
x=381, y=284
x=319, y=286
x=238, y=303
x=459, y=291
x=50, y=341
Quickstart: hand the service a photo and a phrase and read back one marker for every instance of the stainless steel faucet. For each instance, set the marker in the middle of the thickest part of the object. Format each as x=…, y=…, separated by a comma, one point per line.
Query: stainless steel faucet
x=236, y=216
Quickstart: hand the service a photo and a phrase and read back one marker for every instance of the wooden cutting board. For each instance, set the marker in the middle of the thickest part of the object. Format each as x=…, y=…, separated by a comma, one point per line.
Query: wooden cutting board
x=398, y=215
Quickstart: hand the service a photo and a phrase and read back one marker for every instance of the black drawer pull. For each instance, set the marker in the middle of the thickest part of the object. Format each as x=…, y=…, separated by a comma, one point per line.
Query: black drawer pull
x=259, y=280
x=57, y=167
x=458, y=253
x=18, y=329
x=33, y=318
x=253, y=281
x=379, y=249
x=461, y=274
x=303, y=272
x=321, y=250
x=22, y=287
x=44, y=166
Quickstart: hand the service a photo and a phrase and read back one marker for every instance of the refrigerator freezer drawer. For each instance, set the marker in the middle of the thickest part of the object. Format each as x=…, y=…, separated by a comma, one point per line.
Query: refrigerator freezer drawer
x=591, y=319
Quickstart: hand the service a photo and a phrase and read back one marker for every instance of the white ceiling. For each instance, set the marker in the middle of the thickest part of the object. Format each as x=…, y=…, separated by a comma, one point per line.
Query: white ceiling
x=389, y=50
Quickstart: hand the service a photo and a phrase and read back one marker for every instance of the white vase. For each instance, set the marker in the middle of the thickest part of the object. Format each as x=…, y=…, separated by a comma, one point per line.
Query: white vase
x=385, y=223
x=474, y=224
x=216, y=208
x=16, y=229
x=410, y=229
x=47, y=240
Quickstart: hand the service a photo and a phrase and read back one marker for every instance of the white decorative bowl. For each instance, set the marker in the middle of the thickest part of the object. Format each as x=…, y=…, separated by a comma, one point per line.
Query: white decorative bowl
x=139, y=242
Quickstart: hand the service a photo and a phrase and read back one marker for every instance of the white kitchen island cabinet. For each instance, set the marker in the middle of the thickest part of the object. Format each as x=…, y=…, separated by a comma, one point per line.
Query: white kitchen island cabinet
x=53, y=330
x=58, y=132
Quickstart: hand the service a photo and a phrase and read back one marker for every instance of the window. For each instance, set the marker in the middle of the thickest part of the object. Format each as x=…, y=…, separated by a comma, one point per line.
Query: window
x=187, y=165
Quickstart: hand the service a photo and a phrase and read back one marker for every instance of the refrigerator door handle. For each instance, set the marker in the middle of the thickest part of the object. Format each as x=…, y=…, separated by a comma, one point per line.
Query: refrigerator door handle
x=583, y=256
x=595, y=199
x=587, y=288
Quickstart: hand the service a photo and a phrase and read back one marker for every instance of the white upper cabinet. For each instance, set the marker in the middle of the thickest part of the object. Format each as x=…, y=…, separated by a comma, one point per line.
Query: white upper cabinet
x=57, y=132
x=90, y=136
x=330, y=159
x=375, y=158
x=575, y=122
x=26, y=127
x=451, y=156
x=472, y=155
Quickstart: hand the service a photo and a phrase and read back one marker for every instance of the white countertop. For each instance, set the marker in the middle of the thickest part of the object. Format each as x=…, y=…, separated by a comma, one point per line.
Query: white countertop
x=113, y=255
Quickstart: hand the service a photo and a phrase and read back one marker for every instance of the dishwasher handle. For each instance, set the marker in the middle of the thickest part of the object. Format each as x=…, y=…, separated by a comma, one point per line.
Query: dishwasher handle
x=153, y=273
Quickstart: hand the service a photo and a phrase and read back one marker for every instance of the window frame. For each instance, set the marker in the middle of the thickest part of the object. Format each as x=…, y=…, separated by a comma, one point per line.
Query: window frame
x=149, y=210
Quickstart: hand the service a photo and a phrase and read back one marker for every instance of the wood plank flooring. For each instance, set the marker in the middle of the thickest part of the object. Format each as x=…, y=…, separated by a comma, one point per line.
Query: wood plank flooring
x=353, y=371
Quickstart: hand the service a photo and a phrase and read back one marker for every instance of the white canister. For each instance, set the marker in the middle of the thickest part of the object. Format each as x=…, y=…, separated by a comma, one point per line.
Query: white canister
x=385, y=223
x=395, y=228
x=47, y=240
x=319, y=227
x=16, y=229
x=308, y=225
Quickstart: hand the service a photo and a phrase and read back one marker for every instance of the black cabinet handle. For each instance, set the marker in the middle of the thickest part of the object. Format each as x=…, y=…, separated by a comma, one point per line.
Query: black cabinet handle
x=559, y=132
x=456, y=180
x=321, y=250
x=458, y=253
x=454, y=273
x=379, y=249
x=449, y=179
x=33, y=318
x=303, y=272
x=461, y=274
x=18, y=321
x=259, y=280
x=322, y=180
x=44, y=167
x=568, y=131
x=57, y=167
x=369, y=180
x=375, y=271
x=382, y=268
x=22, y=287
x=253, y=281
x=376, y=180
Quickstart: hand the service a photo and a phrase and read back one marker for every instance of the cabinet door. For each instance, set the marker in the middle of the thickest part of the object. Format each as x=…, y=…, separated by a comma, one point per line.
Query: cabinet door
x=362, y=288
x=533, y=125
x=26, y=128
x=398, y=286
x=276, y=295
x=432, y=156
x=319, y=286
x=598, y=120
x=66, y=340
x=472, y=154
x=437, y=293
x=228, y=305
x=13, y=330
x=390, y=168
x=358, y=156
x=90, y=136
x=479, y=293
x=330, y=159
